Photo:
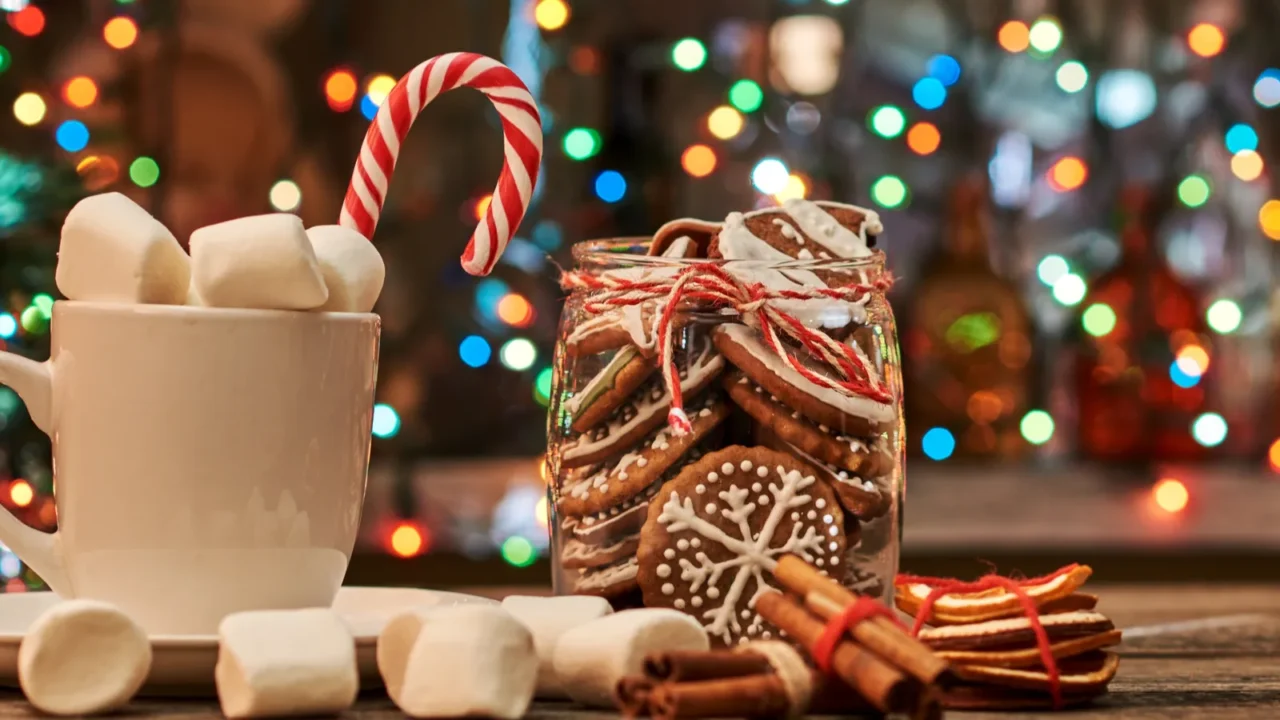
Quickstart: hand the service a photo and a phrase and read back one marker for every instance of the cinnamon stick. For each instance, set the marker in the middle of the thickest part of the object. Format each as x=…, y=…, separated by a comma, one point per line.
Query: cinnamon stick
x=826, y=597
x=880, y=683
x=632, y=695
x=689, y=665
x=751, y=696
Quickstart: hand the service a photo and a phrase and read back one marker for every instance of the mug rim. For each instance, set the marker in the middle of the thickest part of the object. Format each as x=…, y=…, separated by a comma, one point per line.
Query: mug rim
x=621, y=251
x=197, y=312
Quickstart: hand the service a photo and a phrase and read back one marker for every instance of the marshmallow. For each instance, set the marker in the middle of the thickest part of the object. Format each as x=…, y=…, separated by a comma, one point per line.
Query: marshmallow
x=82, y=657
x=114, y=251
x=548, y=618
x=590, y=659
x=264, y=261
x=273, y=663
x=352, y=268
x=464, y=660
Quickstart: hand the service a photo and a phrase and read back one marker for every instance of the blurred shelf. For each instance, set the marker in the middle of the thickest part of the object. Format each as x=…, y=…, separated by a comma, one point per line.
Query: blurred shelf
x=959, y=521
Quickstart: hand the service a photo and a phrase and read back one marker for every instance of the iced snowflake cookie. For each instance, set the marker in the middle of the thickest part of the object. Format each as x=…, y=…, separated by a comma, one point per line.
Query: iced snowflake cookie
x=715, y=531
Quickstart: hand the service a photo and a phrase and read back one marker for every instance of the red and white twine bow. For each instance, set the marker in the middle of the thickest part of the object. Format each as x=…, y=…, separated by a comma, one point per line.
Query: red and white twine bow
x=709, y=287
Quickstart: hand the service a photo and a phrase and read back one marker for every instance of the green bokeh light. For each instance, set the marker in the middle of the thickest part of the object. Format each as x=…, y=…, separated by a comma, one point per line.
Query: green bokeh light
x=689, y=54
x=1194, y=191
x=5, y=58
x=1224, y=316
x=519, y=551
x=1037, y=427
x=746, y=95
x=1099, y=319
x=542, y=387
x=1045, y=35
x=581, y=143
x=34, y=320
x=44, y=301
x=1070, y=289
x=889, y=192
x=144, y=171
x=887, y=121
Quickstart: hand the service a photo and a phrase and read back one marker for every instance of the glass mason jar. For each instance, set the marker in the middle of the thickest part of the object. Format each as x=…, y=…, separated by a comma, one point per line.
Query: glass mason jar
x=693, y=438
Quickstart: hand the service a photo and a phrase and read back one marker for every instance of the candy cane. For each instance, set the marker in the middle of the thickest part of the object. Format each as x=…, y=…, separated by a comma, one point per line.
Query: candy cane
x=521, y=139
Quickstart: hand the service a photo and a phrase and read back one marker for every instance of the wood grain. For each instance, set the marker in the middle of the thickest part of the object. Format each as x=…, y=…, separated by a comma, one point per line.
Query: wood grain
x=1225, y=670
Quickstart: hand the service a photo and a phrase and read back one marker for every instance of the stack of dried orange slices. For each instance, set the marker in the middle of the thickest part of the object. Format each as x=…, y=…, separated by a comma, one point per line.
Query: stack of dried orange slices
x=990, y=639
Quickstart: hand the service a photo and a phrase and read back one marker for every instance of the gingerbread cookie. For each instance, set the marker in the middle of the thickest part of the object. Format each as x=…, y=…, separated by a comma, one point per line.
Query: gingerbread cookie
x=644, y=412
x=634, y=325
x=608, y=581
x=714, y=532
x=808, y=230
x=607, y=527
x=640, y=468
x=864, y=499
x=843, y=413
x=576, y=555
x=608, y=389
x=686, y=238
x=868, y=459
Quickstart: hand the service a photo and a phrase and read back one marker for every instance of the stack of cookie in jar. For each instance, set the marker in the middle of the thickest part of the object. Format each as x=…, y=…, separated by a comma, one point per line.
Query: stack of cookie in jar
x=777, y=457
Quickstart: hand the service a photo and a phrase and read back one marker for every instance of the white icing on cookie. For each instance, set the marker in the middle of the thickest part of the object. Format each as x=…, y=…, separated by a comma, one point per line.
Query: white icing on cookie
x=706, y=365
x=852, y=405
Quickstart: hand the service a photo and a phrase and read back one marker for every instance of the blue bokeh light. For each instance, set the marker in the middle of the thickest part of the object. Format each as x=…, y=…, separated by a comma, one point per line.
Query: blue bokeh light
x=475, y=351
x=611, y=186
x=368, y=108
x=945, y=69
x=938, y=443
x=1182, y=378
x=548, y=235
x=489, y=292
x=8, y=325
x=1240, y=137
x=929, y=93
x=72, y=136
x=386, y=421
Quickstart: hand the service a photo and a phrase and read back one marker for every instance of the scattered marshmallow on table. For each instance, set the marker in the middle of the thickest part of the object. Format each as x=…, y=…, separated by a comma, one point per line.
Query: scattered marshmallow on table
x=82, y=657
x=548, y=618
x=352, y=268
x=590, y=659
x=273, y=663
x=263, y=261
x=114, y=251
x=465, y=660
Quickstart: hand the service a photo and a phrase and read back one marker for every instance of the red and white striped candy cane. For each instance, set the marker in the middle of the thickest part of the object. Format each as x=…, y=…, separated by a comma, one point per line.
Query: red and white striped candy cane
x=521, y=139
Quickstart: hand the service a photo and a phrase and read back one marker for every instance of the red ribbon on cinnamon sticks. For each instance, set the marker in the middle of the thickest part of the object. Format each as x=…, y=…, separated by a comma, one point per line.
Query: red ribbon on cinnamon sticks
x=864, y=608
x=939, y=587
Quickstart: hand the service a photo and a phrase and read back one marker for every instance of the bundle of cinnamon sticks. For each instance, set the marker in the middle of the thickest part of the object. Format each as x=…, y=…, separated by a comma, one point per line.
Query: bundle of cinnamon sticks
x=846, y=663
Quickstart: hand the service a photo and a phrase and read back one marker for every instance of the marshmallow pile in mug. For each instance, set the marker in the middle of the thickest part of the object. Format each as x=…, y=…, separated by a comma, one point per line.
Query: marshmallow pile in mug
x=114, y=251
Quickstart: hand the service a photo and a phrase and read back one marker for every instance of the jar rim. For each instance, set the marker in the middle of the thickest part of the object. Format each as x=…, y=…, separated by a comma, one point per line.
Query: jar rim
x=630, y=252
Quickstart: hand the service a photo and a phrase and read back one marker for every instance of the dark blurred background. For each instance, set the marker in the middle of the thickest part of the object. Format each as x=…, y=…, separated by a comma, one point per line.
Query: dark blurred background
x=1091, y=347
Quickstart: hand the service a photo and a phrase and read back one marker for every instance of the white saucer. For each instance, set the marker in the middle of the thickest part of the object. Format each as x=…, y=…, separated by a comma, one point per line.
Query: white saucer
x=183, y=664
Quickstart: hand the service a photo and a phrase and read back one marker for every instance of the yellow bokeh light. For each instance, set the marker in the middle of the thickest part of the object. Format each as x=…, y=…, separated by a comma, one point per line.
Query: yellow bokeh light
x=20, y=493
x=406, y=540
x=1269, y=219
x=29, y=108
x=1193, y=360
x=379, y=87
x=482, y=206
x=698, y=160
x=796, y=189
x=724, y=122
x=542, y=511
x=285, y=195
x=1247, y=165
x=1206, y=40
x=1171, y=495
x=80, y=92
x=120, y=32
x=551, y=14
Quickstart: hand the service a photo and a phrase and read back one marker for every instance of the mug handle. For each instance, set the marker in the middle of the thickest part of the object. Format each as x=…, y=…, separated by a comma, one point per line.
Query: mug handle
x=39, y=550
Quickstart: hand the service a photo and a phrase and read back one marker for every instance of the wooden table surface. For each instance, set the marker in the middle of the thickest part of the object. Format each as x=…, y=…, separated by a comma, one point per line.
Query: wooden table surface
x=1189, y=652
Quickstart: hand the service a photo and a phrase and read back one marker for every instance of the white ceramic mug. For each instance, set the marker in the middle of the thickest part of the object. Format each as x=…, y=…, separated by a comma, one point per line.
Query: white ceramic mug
x=206, y=461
